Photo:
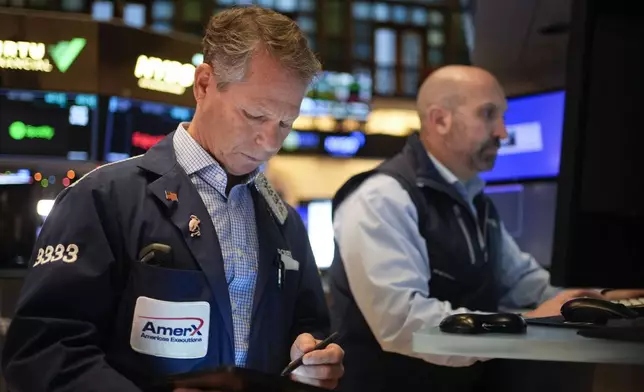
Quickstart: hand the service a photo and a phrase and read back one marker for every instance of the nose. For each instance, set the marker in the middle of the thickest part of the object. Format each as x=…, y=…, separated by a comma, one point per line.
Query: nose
x=269, y=137
x=500, y=130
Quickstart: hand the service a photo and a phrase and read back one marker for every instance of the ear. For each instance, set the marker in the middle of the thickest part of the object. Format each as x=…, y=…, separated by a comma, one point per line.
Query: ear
x=204, y=79
x=439, y=118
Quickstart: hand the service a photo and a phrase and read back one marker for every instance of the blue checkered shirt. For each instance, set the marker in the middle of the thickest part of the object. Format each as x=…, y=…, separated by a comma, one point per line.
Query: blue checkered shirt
x=233, y=216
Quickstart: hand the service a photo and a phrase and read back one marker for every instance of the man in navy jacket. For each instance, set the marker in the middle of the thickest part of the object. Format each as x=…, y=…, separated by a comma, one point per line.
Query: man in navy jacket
x=185, y=258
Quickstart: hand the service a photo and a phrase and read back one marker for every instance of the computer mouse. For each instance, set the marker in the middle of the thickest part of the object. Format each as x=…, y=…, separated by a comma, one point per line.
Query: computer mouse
x=594, y=310
x=474, y=323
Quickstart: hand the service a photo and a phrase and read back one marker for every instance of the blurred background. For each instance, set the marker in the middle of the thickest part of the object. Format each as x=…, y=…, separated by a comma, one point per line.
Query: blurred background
x=84, y=83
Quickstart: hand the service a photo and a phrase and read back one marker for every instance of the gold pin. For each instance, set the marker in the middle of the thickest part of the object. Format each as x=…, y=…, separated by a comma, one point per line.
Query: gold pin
x=193, y=226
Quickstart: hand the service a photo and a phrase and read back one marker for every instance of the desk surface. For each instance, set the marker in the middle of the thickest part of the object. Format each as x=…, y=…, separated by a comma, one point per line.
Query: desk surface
x=539, y=343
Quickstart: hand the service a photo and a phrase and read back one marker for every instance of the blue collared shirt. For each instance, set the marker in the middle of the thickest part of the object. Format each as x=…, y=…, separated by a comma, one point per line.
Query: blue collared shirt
x=233, y=216
x=387, y=265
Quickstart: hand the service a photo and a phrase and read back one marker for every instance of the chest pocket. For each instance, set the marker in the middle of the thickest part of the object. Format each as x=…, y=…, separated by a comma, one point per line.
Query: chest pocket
x=166, y=322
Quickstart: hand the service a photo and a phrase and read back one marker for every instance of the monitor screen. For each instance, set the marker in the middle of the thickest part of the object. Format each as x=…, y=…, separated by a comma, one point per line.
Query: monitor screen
x=338, y=95
x=317, y=217
x=133, y=126
x=51, y=124
x=528, y=213
x=342, y=145
x=533, y=147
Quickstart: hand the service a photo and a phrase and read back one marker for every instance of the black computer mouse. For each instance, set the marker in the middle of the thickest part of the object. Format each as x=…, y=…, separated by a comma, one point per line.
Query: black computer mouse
x=473, y=323
x=594, y=310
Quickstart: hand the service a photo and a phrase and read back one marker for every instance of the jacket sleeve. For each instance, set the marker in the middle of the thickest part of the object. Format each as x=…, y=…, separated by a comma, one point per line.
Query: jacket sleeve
x=67, y=302
x=311, y=311
x=524, y=281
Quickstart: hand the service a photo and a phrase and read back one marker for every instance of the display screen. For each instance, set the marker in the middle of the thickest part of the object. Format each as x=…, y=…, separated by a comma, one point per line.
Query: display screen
x=338, y=95
x=55, y=124
x=528, y=213
x=342, y=145
x=134, y=126
x=318, y=219
x=533, y=148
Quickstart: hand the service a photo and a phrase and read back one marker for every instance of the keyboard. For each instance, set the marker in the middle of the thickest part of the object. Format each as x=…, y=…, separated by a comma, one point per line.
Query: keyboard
x=637, y=304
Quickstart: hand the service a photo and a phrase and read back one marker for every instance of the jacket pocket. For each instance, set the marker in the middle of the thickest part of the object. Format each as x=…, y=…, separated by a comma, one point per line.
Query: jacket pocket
x=167, y=323
x=167, y=284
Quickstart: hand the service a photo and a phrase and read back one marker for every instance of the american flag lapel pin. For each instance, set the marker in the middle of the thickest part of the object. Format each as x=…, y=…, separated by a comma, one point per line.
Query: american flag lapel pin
x=171, y=196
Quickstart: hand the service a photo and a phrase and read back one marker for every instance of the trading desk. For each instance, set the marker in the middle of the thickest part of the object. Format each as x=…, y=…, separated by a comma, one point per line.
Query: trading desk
x=546, y=359
x=539, y=343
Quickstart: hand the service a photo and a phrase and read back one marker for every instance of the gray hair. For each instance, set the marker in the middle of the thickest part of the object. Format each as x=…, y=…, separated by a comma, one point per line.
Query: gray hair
x=233, y=35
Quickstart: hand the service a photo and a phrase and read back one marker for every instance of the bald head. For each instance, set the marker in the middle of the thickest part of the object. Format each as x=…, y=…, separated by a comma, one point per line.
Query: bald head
x=451, y=85
x=461, y=112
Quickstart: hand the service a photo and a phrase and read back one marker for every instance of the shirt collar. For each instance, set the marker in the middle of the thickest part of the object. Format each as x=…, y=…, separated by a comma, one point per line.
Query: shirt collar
x=190, y=155
x=193, y=159
x=467, y=189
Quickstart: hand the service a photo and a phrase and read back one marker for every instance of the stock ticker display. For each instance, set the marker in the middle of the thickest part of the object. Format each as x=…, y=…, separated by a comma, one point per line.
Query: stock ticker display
x=52, y=124
x=133, y=126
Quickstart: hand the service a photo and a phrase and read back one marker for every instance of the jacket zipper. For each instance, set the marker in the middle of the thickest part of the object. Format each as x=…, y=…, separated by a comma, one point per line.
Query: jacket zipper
x=461, y=223
x=487, y=210
x=423, y=182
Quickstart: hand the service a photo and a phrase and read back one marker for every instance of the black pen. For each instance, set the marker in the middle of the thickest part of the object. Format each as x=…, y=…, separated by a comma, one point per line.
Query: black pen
x=320, y=346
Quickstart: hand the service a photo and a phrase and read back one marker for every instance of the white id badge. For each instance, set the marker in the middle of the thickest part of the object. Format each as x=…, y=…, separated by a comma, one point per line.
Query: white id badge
x=290, y=264
x=165, y=329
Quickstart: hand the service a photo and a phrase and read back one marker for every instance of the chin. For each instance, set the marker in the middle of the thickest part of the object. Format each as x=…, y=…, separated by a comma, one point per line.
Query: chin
x=486, y=165
x=242, y=170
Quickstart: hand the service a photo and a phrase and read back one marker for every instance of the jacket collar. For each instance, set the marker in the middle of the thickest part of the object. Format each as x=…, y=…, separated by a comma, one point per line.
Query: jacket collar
x=161, y=158
x=426, y=171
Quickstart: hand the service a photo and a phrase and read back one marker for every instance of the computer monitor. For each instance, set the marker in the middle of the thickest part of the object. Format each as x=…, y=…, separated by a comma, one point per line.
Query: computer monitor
x=534, y=123
x=48, y=124
x=528, y=213
x=318, y=219
x=134, y=126
x=599, y=229
x=338, y=95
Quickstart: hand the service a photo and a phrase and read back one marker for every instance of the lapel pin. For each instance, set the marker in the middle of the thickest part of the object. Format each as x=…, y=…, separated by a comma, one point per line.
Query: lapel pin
x=193, y=226
x=172, y=196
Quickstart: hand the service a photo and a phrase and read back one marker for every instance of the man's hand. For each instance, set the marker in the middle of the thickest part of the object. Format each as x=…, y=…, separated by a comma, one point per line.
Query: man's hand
x=322, y=368
x=552, y=307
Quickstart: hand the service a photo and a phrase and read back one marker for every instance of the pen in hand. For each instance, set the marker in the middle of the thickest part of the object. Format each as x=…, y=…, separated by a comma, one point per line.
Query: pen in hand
x=298, y=362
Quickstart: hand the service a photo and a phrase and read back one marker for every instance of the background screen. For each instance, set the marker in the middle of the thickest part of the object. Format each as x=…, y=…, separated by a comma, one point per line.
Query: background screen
x=40, y=123
x=533, y=147
x=317, y=218
x=133, y=126
x=528, y=213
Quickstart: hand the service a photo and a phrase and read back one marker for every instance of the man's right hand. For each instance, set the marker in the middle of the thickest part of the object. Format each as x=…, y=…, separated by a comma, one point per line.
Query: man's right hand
x=552, y=307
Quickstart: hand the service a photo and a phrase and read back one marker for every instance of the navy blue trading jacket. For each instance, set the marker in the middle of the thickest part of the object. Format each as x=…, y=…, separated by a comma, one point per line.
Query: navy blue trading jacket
x=93, y=317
